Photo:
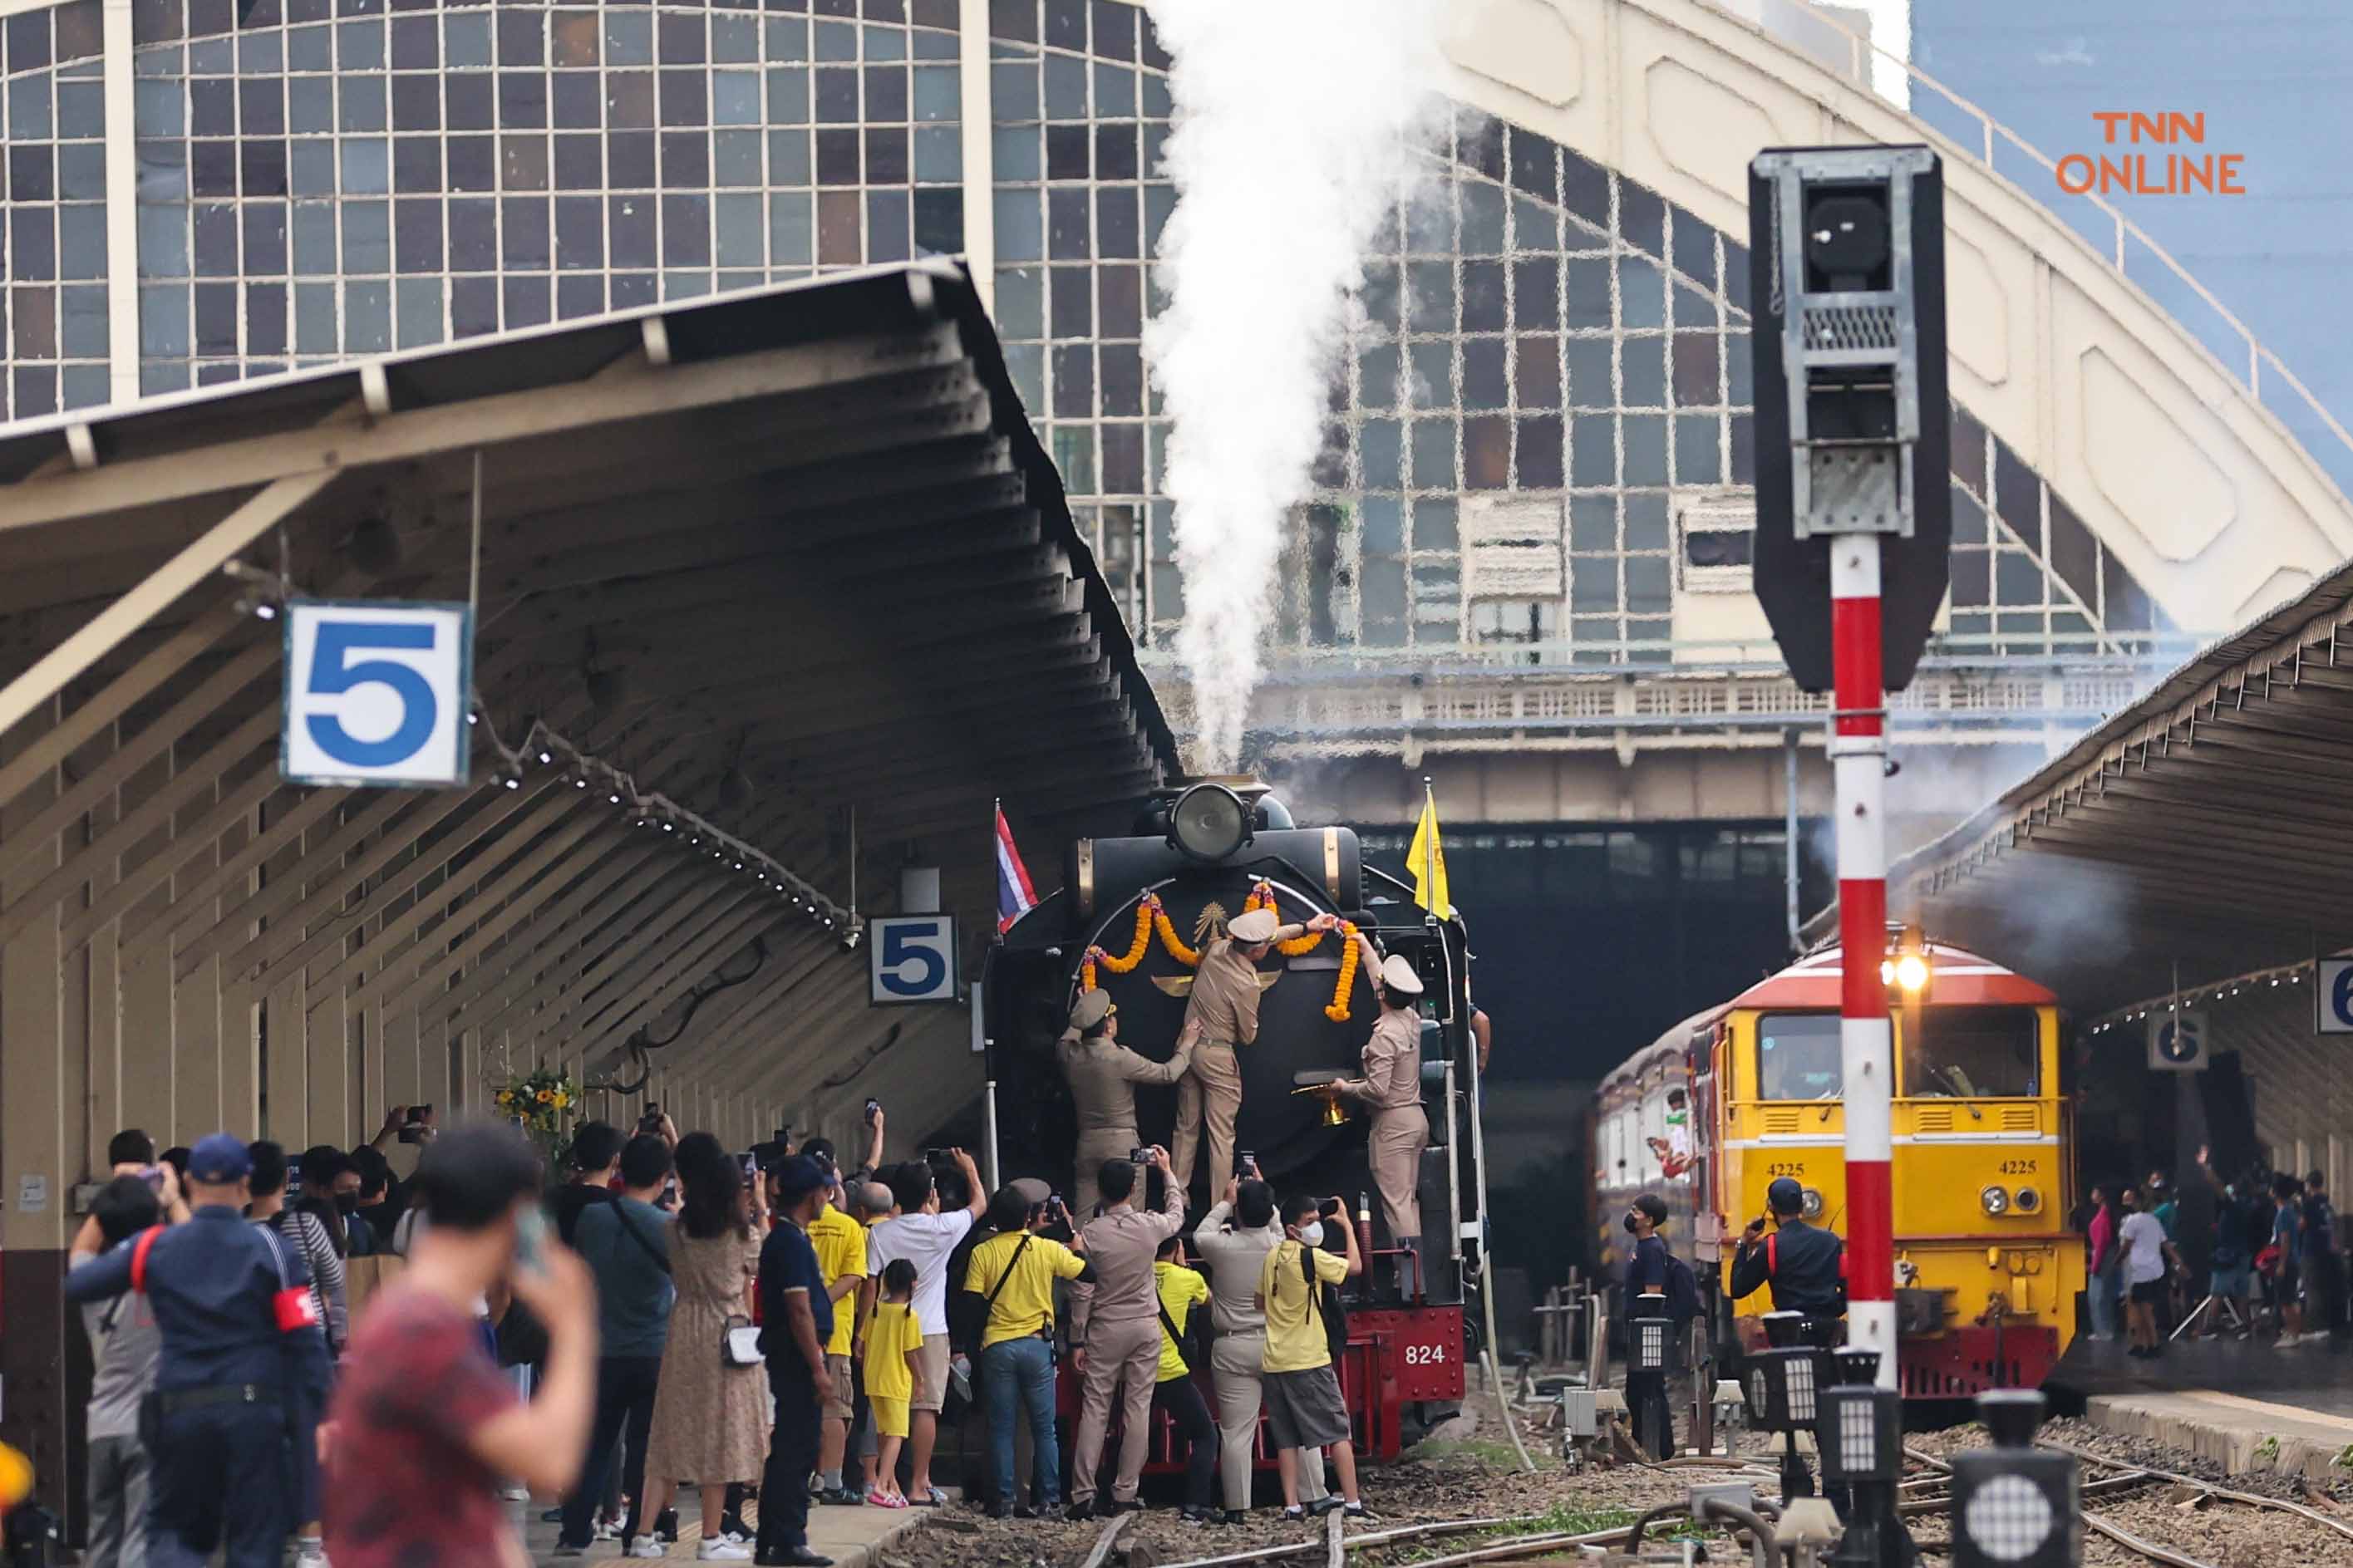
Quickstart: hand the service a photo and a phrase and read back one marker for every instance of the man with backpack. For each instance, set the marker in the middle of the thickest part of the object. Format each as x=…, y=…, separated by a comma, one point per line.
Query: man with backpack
x=626, y=1244
x=1180, y=1290
x=1297, y=1288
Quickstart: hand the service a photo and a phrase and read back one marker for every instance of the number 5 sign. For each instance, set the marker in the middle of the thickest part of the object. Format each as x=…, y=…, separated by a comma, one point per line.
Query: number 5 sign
x=375, y=693
x=912, y=958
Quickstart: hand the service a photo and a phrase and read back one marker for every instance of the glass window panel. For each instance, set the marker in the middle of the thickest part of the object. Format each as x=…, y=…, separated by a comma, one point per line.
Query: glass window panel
x=1641, y=287
x=316, y=329
x=523, y=231
x=577, y=295
x=839, y=241
x=734, y=98
x=1593, y=583
x=1013, y=93
x=1592, y=450
x=367, y=318
x=1069, y=234
x=886, y=93
x=1376, y=377
x=265, y=240
x=526, y=301
x=420, y=311
x=466, y=102
x=360, y=103
x=1483, y=380
x=1066, y=89
x=1021, y=301
x=1430, y=297
x=313, y=48
x=1115, y=223
x=788, y=158
x=788, y=38
x=1026, y=365
x=1537, y=454
x=1114, y=92
x=1646, y=521
x=937, y=93
x=473, y=162
x=1018, y=153
x=1483, y=218
x=1698, y=455
x=1122, y=379
x=1433, y=525
x=474, y=232
x=886, y=156
x=367, y=237
x=939, y=155
x=1432, y=383
x=82, y=318
x=1433, y=454
x=790, y=228
x=1430, y=221
x=1646, y=449
x=1536, y=373
x=883, y=43
x=939, y=222
x=1590, y=382
x=1378, y=446
x=1642, y=372
x=81, y=109
x=1646, y=584
x=314, y=239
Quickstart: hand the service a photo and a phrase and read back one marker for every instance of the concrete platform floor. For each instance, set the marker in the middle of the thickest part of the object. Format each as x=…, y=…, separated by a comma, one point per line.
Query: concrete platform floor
x=851, y=1536
x=2246, y=1405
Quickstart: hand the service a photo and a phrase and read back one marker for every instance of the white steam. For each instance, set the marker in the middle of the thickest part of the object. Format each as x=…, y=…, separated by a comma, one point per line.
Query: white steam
x=1295, y=134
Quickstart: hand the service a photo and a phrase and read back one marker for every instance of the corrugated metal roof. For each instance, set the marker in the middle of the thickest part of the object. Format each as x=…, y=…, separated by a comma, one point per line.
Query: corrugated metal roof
x=2207, y=825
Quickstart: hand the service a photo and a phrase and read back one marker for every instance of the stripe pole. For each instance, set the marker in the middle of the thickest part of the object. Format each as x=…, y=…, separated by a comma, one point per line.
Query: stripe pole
x=1858, y=759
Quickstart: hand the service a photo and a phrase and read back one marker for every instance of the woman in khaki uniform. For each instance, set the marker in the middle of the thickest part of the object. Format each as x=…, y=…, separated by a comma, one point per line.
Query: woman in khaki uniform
x=1391, y=1087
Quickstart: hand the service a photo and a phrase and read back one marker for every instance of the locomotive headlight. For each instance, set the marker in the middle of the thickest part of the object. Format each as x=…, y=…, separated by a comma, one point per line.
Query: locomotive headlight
x=2028, y=1201
x=1995, y=1200
x=1811, y=1206
x=1209, y=822
x=1911, y=972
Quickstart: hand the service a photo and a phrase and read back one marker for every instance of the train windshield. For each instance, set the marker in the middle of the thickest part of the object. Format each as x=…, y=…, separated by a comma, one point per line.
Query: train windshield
x=1972, y=1053
x=1798, y=1056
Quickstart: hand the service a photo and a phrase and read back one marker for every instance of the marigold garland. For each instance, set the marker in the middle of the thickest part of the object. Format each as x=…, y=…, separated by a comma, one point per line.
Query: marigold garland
x=1151, y=915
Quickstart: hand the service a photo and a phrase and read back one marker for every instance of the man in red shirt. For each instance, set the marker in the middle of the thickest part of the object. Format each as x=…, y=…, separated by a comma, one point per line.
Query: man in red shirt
x=423, y=1429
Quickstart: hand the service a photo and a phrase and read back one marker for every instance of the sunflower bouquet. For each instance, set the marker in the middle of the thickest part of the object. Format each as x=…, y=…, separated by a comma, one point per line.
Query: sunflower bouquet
x=541, y=1103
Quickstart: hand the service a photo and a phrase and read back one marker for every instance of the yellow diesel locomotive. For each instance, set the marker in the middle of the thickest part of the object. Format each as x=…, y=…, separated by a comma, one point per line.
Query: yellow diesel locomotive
x=1987, y=1271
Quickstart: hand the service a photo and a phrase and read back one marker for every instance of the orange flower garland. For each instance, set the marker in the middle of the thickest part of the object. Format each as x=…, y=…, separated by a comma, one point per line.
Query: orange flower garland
x=1152, y=915
x=1338, y=1010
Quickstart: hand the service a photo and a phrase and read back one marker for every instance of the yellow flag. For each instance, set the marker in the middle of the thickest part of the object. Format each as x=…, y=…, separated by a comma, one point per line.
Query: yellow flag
x=1427, y=859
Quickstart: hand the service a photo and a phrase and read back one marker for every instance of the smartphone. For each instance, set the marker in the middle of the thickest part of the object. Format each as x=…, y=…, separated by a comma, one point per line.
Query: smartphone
x=1138, y=1156
x=531, y=1240
x=752, y=1169
x=873, y=1109
x=1245, y=1164
x=1333, y=1208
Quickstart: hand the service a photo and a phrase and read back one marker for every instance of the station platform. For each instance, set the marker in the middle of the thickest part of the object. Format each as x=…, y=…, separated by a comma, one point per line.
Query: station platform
x=2242, y=1403
x=852, y=1537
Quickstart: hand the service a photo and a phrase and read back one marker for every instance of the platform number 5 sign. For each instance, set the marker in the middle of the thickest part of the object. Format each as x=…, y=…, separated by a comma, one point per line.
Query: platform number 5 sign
x=912, y=958
x=375, y=693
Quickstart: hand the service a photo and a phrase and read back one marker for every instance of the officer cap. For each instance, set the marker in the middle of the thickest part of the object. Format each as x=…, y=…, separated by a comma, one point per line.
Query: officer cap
x=1094, y=1007
x=1398, y=974
x=1252, y=926
x=1785, y=1196
x=799, y=1176
x=1033, y=1191
x=219, y=1159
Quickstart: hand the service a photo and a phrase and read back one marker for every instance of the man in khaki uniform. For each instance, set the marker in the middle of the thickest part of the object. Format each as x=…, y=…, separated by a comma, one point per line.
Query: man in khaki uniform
x=1233, y=1240
x=1220, y=1014
x=1115, y=1329
x=1103, y=1075
x=1392, y=1088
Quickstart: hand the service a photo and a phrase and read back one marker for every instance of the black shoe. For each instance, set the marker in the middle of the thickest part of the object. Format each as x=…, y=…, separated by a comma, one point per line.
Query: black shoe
x=1192, y=1515
x=565, y=1549
x=553, y=1516
x=1294, y=1514
x=1358, y=1510
x=1112, y=1507
x=792, y=1557
x=1325, y=1504
x=666, y=1527
x=732, y=1524
x=1051, y=1511
x=1234, y=1516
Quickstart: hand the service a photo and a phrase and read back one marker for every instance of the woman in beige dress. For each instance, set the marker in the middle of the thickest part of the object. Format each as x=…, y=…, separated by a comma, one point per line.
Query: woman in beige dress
x=711, y=1419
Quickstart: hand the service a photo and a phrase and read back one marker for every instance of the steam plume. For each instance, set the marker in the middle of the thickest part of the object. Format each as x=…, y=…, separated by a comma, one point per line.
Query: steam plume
x=1295, y=130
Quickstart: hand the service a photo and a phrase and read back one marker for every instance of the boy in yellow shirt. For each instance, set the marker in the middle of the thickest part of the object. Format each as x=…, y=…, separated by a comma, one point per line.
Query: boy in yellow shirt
x=894, y=1375
x=1181, y=1290
x=1303, y=1408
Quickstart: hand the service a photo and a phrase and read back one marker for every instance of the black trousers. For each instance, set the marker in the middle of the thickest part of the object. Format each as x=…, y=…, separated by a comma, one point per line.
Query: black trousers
x=219, y=1483
x=1181, y=1397
x=624, y=1414
x=792, y=1455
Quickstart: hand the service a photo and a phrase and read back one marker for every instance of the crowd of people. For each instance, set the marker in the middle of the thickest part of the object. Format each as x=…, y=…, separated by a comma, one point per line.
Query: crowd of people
x=768, y=1329
x=2275, y=1264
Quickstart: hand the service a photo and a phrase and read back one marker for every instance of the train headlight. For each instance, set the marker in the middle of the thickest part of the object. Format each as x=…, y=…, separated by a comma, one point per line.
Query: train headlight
x=1812, y=1207
x=1995, y=1200
x=1209, y=822
x=2027, y=1201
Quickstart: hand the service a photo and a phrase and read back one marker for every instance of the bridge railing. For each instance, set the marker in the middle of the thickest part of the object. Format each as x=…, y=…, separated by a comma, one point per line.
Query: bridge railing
x=2252, y=363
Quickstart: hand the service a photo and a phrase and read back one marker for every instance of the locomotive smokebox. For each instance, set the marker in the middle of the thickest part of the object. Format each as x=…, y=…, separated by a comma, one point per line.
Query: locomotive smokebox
x=1211, y=831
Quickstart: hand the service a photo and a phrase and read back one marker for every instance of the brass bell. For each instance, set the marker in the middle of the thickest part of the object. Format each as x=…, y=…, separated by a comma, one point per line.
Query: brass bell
x=1335, y=1113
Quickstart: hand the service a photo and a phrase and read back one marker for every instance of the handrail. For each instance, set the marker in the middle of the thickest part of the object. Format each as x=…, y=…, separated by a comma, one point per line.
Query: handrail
x=2258, y=354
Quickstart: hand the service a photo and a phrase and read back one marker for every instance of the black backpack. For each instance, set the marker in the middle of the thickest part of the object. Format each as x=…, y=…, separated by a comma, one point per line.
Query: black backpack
x=1335, y=1314
x=1683, y=1290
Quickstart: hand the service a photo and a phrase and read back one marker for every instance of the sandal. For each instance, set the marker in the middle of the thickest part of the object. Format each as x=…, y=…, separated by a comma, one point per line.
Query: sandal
x=932, y=1498
x=880, y=1498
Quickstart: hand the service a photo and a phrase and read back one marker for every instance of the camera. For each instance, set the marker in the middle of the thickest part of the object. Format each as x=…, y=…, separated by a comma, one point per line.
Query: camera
x=1333, y=1208
x=939, y=1157
x=873, y=1109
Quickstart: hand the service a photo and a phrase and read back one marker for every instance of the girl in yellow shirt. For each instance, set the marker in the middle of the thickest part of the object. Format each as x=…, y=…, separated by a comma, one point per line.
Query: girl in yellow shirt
x=894, y=1376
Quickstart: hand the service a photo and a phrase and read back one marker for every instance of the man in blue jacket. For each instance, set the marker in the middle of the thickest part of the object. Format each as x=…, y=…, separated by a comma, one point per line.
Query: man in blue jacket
x=243, y=1374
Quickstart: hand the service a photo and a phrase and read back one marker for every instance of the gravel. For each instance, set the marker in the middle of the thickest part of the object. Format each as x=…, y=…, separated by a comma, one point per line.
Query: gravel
x=1479, y=1478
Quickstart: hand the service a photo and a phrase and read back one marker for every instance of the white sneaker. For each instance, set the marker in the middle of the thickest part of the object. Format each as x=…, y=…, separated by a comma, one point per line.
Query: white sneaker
x=723, y=1552
x=311, y=1557
x=646, y=1546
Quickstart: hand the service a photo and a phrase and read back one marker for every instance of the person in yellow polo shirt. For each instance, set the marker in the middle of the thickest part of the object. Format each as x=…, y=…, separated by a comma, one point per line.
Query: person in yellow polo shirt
x=1180, y=1290
x=1303, y=1408
x=894, y=1375
x=841, y=1244
x=1015, y=1270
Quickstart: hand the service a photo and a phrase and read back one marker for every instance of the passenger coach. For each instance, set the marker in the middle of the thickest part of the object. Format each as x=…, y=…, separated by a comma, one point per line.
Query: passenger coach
x=1986, y=1273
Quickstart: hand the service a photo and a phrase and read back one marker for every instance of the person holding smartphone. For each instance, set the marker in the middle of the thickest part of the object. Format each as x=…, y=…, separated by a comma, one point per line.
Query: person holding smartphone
x=424, y=1427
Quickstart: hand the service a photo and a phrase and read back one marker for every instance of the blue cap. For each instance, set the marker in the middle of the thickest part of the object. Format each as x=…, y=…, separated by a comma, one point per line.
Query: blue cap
x=1785, y=1196
x=799, y=1176
x=219, y=1159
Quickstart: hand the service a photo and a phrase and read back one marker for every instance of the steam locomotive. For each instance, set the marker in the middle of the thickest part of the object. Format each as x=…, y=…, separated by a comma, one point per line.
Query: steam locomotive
x=1130, y=914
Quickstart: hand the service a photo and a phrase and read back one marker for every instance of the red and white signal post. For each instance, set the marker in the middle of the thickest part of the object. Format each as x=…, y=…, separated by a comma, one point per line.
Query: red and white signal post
x=1846, y=261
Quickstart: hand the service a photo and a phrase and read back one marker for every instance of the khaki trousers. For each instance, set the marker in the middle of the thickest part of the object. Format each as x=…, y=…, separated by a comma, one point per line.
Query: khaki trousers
x=1235, y=1360
x=1094, y=1148
x=1126, y=1353
x=1396, y=1143
x=1214, y=1081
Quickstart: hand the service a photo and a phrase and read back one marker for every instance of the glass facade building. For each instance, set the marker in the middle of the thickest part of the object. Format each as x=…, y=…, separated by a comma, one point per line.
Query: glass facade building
x=1537, y=441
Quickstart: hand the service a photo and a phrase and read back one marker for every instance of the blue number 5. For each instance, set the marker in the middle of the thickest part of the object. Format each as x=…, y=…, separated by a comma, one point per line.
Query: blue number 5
x=332, y=672
x=899, y=948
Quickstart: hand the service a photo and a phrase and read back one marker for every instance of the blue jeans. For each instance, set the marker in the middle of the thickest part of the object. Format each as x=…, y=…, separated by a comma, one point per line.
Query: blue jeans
x=2101, y=1296
x=1021, y=1371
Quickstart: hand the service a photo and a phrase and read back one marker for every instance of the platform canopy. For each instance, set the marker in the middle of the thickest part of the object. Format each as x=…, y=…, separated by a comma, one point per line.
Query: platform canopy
x=2209, y=826
x=785, y=570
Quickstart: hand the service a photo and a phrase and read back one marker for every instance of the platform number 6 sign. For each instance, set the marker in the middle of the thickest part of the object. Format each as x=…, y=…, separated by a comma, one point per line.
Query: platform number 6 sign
x=375, y=693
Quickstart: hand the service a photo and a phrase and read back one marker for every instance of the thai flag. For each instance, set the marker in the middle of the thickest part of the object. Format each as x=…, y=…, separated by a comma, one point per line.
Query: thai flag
x=1015, y=896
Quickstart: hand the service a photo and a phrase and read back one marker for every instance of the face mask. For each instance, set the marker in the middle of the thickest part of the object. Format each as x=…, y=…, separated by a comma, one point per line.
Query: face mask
x=1629, y=1223
x=347, y=1202
x=1312, y=1234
